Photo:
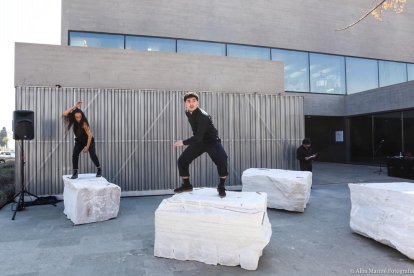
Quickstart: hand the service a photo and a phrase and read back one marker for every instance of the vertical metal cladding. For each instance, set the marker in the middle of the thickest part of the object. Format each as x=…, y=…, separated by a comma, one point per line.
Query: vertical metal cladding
x=135, y=130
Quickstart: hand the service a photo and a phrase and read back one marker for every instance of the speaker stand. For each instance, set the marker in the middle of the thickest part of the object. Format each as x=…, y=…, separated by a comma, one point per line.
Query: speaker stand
x=379, y=171
x=375, y=156
x=20, y=203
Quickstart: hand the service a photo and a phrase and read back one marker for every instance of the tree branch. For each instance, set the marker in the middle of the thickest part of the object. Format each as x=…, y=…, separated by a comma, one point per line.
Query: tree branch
x=363, y=17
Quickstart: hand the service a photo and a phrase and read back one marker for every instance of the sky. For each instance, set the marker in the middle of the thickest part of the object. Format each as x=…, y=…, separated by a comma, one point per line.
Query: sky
x=33, y=21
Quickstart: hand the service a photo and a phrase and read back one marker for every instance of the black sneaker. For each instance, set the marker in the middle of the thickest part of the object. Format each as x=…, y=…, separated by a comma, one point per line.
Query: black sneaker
x=74, y=175
x=99, y=172
x=183, y=188
x=221, y=191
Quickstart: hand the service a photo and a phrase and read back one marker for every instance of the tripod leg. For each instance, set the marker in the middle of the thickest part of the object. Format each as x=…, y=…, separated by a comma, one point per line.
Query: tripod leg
x=14, y=214
x=16, y=195
x=380, y=167
x=31, y=194
x=19, y=206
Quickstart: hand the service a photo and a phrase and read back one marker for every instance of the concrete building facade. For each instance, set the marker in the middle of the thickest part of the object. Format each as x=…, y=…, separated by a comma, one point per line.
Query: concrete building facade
x=295, y=25
x=304, y=26
x=356, y=84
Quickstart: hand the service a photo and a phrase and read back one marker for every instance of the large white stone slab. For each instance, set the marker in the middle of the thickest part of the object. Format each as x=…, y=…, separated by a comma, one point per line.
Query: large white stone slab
x=385, y=213
x=201, y=226
x=288, y=190
x=90, y=199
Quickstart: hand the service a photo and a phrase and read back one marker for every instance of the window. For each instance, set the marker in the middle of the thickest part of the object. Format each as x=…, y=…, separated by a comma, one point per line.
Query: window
x=410, y=71
x=376, y=136
x=248, y=52
x=387, y=128
x=327, y=73
x=150, y=44
x=361, y=138
x=201, y=47
x=96, y=40
x=303, y=71
x=296, y=65
x=391, y=72
x=408, y=127
x=361, y=74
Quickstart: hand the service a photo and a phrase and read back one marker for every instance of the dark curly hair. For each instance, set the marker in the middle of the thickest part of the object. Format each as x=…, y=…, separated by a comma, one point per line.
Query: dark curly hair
x=71, y=121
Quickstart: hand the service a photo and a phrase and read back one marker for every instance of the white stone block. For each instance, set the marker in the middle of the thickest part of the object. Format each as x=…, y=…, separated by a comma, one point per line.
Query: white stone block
x=201, y=226
x=288, y=190
x=90, y=199
x=385, y=213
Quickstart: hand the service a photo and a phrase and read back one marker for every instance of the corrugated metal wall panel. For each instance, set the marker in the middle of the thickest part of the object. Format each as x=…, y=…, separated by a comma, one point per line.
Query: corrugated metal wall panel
x=135, y=130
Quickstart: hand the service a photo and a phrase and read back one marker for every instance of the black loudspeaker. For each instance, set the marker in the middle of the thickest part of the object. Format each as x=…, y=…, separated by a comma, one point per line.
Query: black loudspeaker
x=23, y=125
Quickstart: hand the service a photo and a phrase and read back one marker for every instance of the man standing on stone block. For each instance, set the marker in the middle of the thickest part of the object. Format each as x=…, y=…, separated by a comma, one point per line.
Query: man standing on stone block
x=305, y=156
x=205, y=139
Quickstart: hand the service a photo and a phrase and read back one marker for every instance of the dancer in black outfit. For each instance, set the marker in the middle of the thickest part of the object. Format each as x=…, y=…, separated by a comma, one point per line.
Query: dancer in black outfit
x=205, y=139
x=84, y=140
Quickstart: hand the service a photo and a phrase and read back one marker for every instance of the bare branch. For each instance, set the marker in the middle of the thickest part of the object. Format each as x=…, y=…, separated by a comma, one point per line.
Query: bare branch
x=363, y=17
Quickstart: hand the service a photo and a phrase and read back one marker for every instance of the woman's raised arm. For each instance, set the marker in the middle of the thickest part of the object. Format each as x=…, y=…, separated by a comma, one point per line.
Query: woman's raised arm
x=70, y=109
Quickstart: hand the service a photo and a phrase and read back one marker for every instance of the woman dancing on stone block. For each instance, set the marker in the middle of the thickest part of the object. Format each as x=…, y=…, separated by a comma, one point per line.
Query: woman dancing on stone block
x=84, y=140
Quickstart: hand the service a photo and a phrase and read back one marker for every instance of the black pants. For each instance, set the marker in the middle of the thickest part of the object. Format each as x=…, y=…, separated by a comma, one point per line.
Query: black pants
x=305, y=166
x=78, y=149
x=215, y=150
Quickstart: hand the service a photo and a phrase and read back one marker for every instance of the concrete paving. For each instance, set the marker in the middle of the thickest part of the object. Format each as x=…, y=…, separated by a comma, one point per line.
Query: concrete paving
x=41, y=241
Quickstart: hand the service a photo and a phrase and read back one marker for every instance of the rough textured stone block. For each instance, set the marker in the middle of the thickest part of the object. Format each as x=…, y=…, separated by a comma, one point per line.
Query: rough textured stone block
x=288, y=190
x=90, y=199
x=385, y=213
x=201, y=226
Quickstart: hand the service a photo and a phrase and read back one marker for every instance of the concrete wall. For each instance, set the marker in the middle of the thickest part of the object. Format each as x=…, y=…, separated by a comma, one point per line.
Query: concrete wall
x=393, y=97
x=135, y=130
x=322, y=104
x=48, y=65
x=302, y=25
x=388, y=98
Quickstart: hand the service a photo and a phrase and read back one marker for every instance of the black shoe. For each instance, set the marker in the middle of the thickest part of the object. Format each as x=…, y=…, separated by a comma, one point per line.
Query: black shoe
x=183, y=188
x=74, y=175
x=221, y=191
x=99, y=172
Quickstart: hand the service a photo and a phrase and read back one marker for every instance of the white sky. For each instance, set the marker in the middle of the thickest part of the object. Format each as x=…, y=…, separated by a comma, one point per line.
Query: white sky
x=34, y=21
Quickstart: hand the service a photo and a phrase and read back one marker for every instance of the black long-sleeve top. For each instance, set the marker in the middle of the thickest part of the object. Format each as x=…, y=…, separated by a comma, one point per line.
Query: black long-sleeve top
x=202, y=126
x=303, y=152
